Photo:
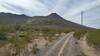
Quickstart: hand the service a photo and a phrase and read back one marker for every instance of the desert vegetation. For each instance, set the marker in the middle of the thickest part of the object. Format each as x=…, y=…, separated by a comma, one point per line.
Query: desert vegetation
x=79, y=33
x=14, y=39
x=81, y=54
x=93, y=38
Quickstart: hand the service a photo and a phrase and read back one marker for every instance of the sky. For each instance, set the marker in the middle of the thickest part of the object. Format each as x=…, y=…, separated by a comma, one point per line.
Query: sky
x=68, y=9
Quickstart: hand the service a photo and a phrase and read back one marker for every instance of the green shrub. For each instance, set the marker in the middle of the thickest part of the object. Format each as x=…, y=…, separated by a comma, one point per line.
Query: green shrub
x=93, y=38
x=7, y=27
x=79, y=33
x=3, y=36
x=35, y=49
x=55, y=30
x=81, y=53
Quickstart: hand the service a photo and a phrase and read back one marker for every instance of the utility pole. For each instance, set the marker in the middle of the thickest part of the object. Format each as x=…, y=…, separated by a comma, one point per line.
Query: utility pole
x=82, y=18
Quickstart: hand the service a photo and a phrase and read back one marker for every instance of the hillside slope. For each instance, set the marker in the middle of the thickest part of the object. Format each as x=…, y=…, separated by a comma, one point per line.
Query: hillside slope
x=54, y=20
x=8, y=18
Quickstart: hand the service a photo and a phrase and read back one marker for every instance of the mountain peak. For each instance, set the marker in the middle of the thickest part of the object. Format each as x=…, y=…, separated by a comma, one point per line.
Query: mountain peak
x=55, y=21
x=53, y=14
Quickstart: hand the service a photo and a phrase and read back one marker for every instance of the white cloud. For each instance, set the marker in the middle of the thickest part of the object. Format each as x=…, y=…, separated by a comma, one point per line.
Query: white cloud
x=80, y=8
x=27, y=7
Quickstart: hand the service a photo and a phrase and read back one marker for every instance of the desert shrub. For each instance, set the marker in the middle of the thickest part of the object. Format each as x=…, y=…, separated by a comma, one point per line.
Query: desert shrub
x=50, y=32
x=7, y=27
x=93, y=38
x=79, y=33
x=18, y=27
x=81, y=54
x=35, y=49
x=3, y=36
x=55, y=30
x=17, y=44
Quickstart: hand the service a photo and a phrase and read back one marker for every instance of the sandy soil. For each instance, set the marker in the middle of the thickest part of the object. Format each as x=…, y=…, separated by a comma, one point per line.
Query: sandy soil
x=88, y=50
x=40, y=43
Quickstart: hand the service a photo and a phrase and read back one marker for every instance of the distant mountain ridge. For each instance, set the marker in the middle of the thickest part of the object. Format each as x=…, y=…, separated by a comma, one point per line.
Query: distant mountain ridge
x=8, y=18
x=54, y=20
